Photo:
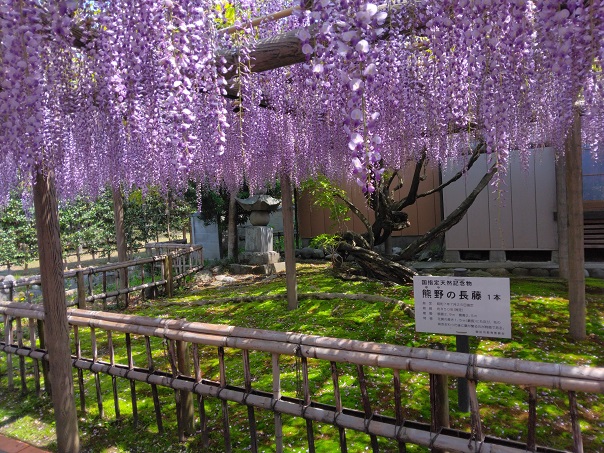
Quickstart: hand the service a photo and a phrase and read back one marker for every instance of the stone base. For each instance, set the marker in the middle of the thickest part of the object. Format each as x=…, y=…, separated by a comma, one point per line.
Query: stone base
x=451, y=256
x=261, y=269
x=258, y=239
x=254, y=258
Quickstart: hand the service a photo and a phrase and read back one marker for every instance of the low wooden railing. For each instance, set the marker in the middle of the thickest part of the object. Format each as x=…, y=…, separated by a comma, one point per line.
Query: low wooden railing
x=102, y=283
x=377, y=416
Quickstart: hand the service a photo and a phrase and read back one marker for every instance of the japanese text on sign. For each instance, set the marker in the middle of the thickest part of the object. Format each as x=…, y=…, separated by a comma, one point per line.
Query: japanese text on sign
x=476, y=306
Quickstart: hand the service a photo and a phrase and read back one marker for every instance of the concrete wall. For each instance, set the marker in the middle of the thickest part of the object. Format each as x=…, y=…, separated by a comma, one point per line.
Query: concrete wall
x=207, y=236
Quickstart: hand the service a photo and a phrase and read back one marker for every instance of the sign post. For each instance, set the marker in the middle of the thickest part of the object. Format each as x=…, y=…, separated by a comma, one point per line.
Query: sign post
x=464, y=307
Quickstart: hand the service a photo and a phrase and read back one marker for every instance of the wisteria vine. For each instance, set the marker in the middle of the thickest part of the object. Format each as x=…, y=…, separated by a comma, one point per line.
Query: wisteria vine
x=133, y=92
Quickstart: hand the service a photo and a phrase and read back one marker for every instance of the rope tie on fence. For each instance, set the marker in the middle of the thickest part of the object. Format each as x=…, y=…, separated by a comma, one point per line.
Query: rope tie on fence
x=304, y=409
x=335, y=419
x=220, y=389
x=274, y=402
x=149, y=376
x=471, y=371
x=298, y=356
x=397, y=431
x=245, y=396
x=433, y=439
x=367, y=422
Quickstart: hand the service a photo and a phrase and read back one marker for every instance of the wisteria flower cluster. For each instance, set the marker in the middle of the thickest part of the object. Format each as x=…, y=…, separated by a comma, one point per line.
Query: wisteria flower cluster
x=138, y=92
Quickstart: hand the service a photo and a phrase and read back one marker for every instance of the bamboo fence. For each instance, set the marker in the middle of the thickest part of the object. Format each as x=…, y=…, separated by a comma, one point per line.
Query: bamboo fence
x=185, y=376
x=101, y=283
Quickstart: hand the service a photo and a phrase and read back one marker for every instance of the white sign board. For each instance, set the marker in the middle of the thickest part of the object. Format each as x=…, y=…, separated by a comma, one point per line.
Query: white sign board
x=473, y=306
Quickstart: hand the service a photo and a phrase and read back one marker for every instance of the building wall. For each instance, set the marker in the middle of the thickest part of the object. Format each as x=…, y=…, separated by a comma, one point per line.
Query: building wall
x=516, y=215
x=424, y=215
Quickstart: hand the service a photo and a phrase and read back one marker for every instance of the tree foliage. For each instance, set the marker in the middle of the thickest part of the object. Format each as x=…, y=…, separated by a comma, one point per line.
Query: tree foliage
x=18, y=244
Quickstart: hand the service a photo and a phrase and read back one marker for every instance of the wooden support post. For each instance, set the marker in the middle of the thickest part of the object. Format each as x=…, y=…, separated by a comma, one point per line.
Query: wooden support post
x=277, y=397
x=55, y=311
x=574, y=417
x=562, y=217
x=309, y=428
x=116, y=401
x=338, y=403
x=576, y=252
x=33, y=346
x=97, y=377
x=132, y=381
x=8, y=340
x=81, y=290
x=225, y=406
x=177, y=394
x=167, y=268
x=531, y=442
x=42, y=335
x=76, y=336
x=439, y=401
x=120, y=238
x=156, y=404
x=288, y=240
x=475, y=411
x=21, y=358
x=187, y=408
x=367, y=407
x=203, y=419
x=247, y=376
x=398, y=408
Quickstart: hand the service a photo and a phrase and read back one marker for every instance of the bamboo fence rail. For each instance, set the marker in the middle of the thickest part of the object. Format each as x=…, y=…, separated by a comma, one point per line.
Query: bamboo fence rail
x=144, y=274
x=180, y=336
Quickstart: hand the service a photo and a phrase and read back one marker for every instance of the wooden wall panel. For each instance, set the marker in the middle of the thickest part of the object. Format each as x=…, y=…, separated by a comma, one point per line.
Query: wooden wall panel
x=457, y=237
x=479, y=237
x=500, y=215
x=522, y=186
x=423, y=216
x=545, y=183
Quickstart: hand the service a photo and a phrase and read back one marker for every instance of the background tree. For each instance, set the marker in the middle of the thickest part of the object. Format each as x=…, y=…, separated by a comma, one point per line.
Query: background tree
x=388, y=208
x=17, y=234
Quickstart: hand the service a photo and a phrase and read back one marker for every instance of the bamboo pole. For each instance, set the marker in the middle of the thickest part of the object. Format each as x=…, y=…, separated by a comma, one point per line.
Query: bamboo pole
x=42, y=335
x=81, y=290
x=492, y=369
x=439, y=401
x=177, y=395
x=475, y=411
x=415, y=433
x=307, y=402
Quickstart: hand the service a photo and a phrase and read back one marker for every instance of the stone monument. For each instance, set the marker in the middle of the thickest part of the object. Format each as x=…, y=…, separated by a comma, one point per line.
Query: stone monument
x=259, y=256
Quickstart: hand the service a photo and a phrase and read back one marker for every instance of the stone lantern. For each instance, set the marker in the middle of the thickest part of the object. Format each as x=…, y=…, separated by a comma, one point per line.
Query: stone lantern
x=259, y=236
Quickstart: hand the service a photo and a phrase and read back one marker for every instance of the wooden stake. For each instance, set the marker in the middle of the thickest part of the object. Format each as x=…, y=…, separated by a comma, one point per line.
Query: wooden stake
x=531, y=441
x=76, y=339
x=156, y=404
x=367, y=407
x=225, y=406
x=574, y=416
x=45, y=373
x=247, y=375
x=32, y=343
x=338, y=404
x=277, y=397
x=116, y=401
x=8, y=339
x=203, y=420
x=132, y=382
x=186, y=398
x=97, y=377
x=81, y=290
x=21, y=358
x=398, y=407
